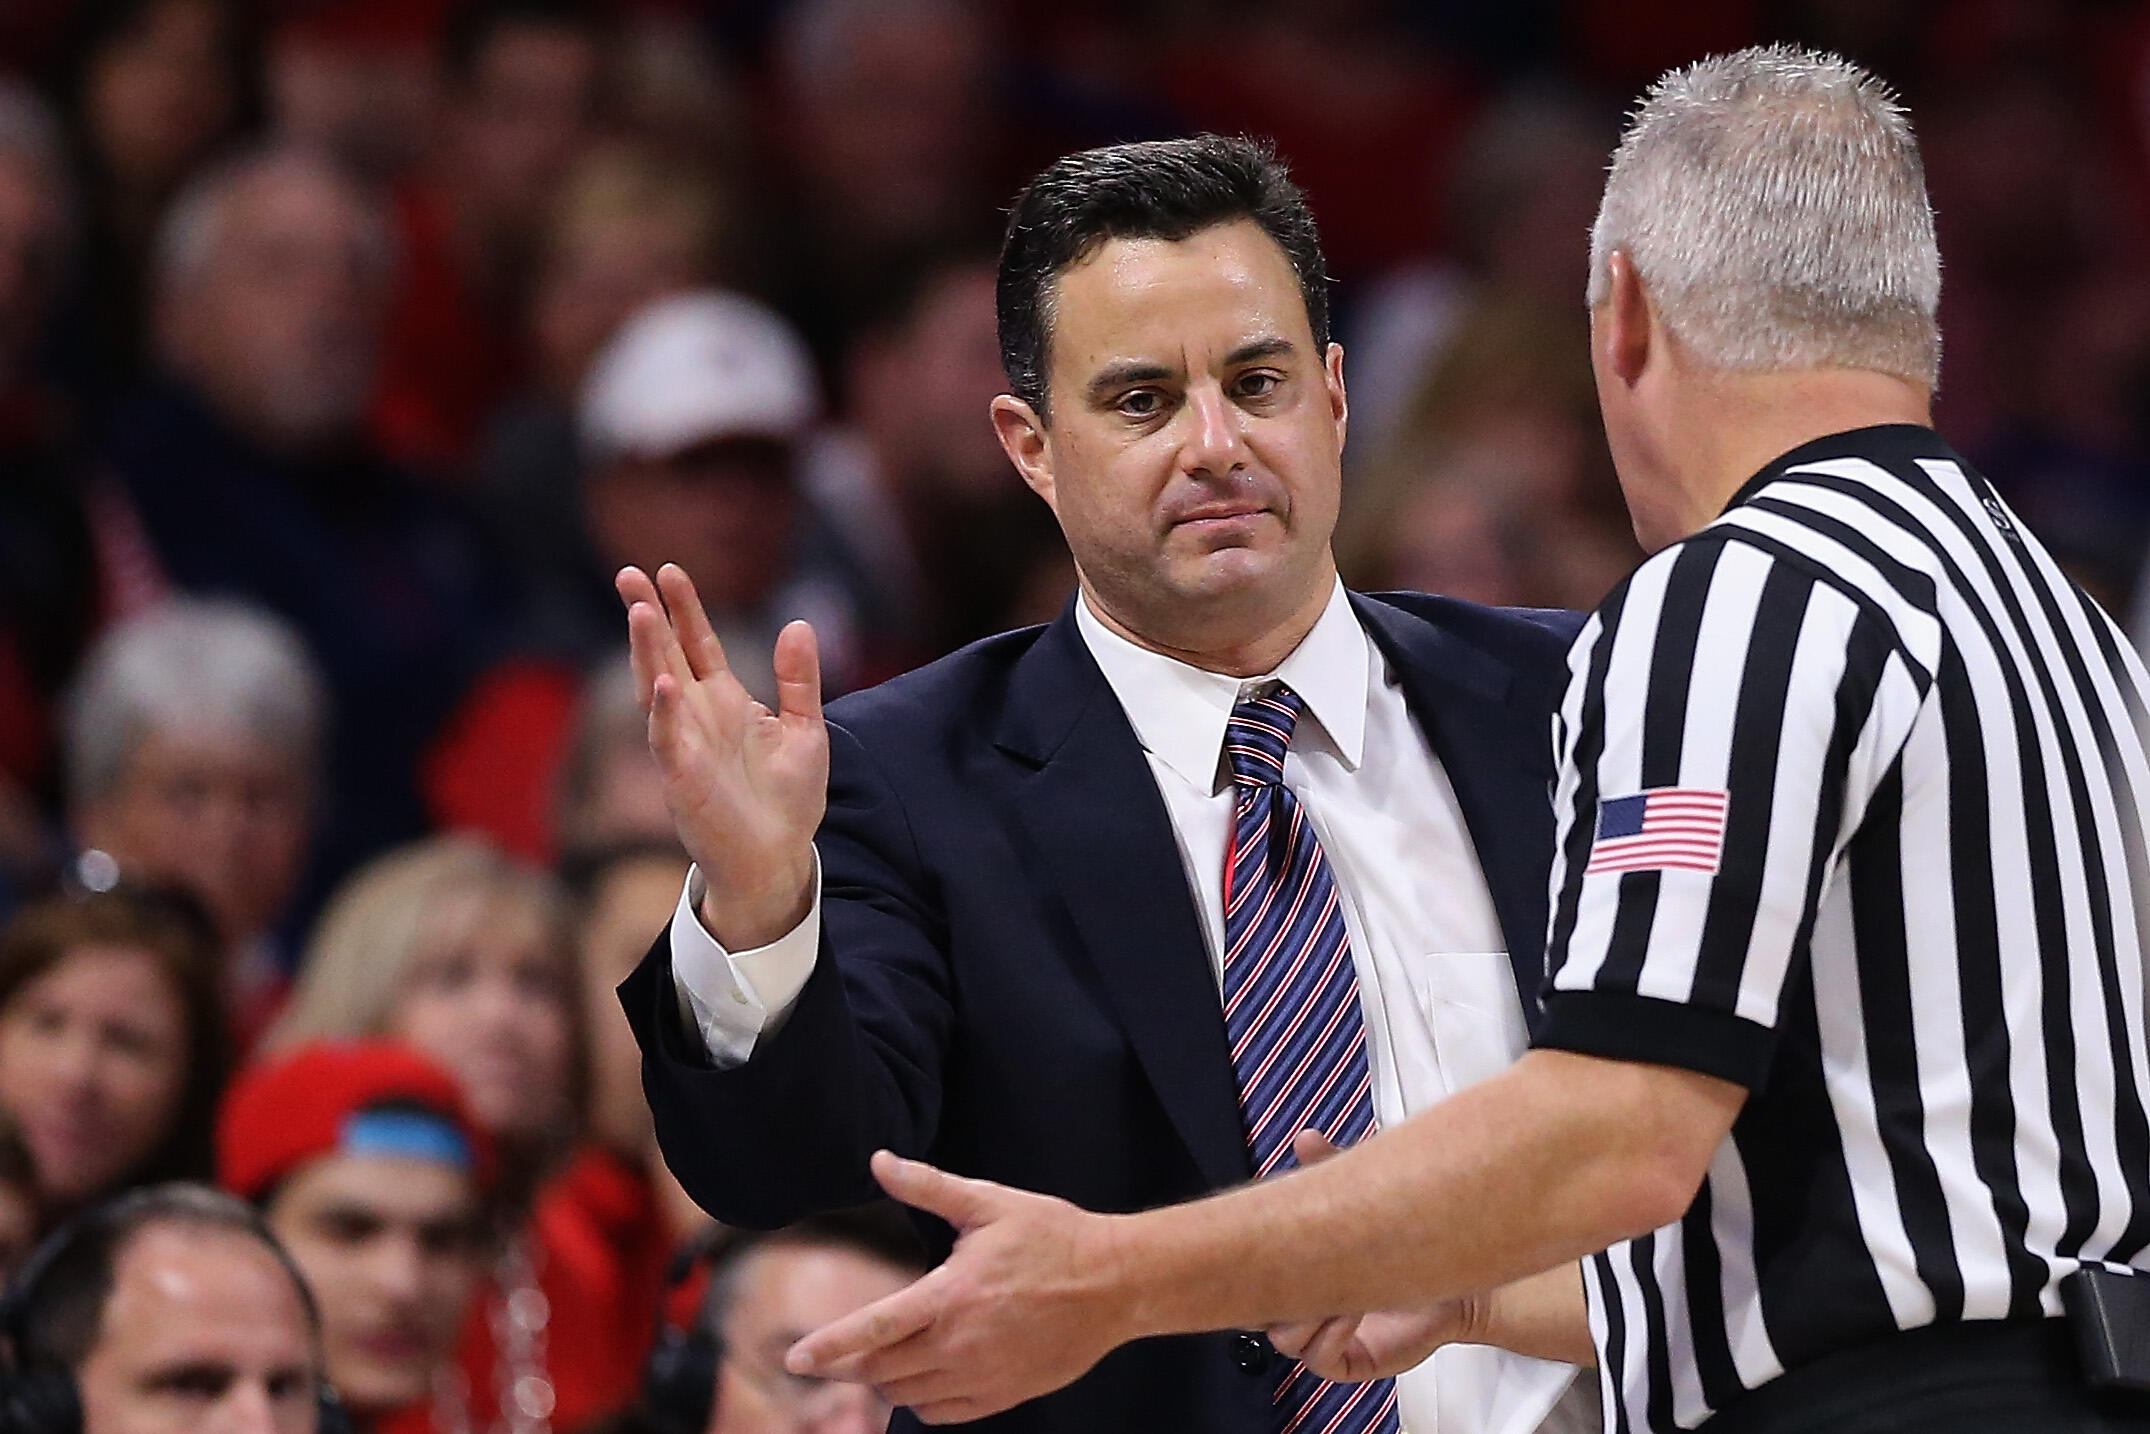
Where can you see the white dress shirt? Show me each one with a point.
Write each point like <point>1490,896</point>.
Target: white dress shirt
<point>1439,997</point>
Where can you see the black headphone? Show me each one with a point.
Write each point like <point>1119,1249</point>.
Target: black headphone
<point>679,1379</point>
<point>40,1397</point>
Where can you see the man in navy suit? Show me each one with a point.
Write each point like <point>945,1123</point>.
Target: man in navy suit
<point>1223,864</point>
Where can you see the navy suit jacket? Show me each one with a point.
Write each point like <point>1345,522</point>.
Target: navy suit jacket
<point>1013,983</point>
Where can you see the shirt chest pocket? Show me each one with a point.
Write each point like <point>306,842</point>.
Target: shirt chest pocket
<point>1473,1020</point>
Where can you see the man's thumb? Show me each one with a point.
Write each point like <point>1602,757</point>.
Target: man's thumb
<point>959,1201</point>
<point>1312,1147</point>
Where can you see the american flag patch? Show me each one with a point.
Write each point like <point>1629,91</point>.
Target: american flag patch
<point>1663,829</point>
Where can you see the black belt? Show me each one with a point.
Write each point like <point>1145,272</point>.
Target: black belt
<point>1851,1382</point>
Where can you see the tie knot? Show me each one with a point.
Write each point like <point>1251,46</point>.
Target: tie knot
<point>1259,734</point>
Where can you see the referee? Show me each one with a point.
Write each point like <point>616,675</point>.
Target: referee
<point>1840,1094</point>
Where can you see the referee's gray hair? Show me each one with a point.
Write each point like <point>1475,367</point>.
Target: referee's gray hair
<point>192,665</point>
<point>1774,204</point>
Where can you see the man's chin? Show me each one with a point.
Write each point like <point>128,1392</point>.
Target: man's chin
<point>1228,573</point>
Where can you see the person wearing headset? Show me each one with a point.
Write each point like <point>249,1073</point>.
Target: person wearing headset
<point>722,1372</point>
<point>363,1159</point>
<point>170,1310</point>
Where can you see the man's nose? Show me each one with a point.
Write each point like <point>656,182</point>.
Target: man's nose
<point>850,1409</point>
<point>246,1408</point>
<point>1215,444</point>
<point>398,1270</point>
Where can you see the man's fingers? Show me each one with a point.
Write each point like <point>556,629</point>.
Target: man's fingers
<point>962,1203</point>
<point>647,637</point>
<point>838,1350</point>
<point>1329,1352</point>
<point>798,672</point>
<point>1312,1147</point>
<point>1291,1340</point>
<point>633,586</point>
<point>697,638</point>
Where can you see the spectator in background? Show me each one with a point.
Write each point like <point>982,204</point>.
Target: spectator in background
<point>1483,410</point>
<point>364,1162</point>
<point>50,601</point>
<point>693,420</point>
<point>464,954</point>
<point>520,88</point>
<point>610,795</point>
<point>194,738</point>
<point>942,535</point>
<point>624,894</point>
<point>692,427</point>
<point>112,1049</point>
<point>883,114</point>
<point>356,79</point>
<point>777,1289</point>
<point>630,225</point>
<point>248,465</point>
<point>1365,111</point>
<point>20,1207</point>
<point>764,1292</point>
<point>174,1310</point>
<point>149,88</point>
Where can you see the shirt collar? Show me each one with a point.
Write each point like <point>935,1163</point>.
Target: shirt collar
<point>1180,712</point>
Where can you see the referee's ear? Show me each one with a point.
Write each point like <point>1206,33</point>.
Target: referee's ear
<point>1621,324</point>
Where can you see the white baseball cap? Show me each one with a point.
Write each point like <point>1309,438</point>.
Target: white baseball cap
<point>693,368</point>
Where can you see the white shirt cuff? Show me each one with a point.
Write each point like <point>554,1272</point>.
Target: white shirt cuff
<point>734,998</point>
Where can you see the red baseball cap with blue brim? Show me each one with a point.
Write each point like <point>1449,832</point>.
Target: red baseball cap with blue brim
<point>344,1098</point>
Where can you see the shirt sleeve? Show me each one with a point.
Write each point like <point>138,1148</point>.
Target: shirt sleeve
<point>732,999</point>
<point>1731,713</point>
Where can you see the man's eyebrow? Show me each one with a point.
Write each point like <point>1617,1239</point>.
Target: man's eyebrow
<point>1126,371</point>
<point>1268,346</point>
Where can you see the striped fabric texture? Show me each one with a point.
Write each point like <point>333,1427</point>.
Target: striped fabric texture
<point>1291,1008</point>
<point>1919,949</point>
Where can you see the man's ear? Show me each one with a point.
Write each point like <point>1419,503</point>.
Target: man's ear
<point>1333,379</point>
<point>1623,328</point>
<point>1023,437</point>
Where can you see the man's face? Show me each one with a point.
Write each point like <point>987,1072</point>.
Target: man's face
<point>521,119</point>
<point>389,1245</point>
<point>224,816</point>
<point>280,322</point>
<point>1194,450</point>
<point>785,1293</point>
<point>203,1333</point>
<point>723,510</point>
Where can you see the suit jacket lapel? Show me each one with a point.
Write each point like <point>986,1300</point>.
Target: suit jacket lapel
<point>1498,759</point>
<point>1093,812</point>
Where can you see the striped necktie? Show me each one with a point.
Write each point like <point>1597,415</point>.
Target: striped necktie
<point>1291,1008</point>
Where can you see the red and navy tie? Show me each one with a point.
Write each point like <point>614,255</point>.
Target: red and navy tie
<point>1291,1008</point>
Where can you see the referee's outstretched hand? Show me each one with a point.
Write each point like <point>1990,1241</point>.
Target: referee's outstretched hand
<point>746,786</point>
<point>1026,1303</point>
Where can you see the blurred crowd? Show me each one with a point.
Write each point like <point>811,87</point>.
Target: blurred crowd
<point>347,347</point>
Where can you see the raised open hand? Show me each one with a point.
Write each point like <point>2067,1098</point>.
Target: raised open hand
<point>746,786</point>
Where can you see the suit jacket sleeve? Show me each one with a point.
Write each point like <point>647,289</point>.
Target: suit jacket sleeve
<point>855,1067</point>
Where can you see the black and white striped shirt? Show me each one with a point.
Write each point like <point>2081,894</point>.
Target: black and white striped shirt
<point>1851,805</point>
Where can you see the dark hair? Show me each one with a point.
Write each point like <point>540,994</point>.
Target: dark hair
<point>174,931</point>
<point>1158,189</point>
<point>64,1287</point>
<point>880,1231</point>
<point>475,24</point>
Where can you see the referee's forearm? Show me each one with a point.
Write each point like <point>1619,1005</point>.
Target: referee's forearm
<point>1554,1159</point>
